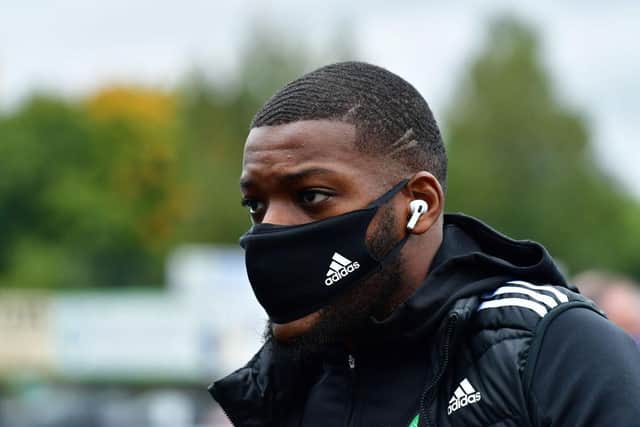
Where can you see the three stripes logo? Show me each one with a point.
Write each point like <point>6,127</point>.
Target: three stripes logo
<point>464,395</point>
<point>518,293</point>
<point>340,267</point>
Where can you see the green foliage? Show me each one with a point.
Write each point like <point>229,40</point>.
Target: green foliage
<point>68,208</point>
<point>523,162</point>
<point>31,163</point>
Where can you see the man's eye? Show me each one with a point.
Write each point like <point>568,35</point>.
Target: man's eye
<point>312,197</point>
<point>253,206</point>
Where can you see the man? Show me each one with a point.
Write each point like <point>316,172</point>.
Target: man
<point>386,312</point>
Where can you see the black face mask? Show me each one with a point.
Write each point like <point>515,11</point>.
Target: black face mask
<point>295,270</point>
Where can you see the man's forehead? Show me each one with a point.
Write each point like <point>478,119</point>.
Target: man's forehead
<point>295,151</point>
<point>302,140</point>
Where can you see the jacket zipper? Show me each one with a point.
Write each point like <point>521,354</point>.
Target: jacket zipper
<point>351,362</point>
<point>428,395</point>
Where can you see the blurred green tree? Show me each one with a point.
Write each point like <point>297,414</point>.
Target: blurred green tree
<point>523,161</point>
<point>86,191</point>
<point>40,145</point>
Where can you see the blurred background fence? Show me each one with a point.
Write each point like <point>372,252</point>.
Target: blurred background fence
<point>121,291</point>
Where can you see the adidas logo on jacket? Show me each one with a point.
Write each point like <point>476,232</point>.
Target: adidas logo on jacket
<point>464,395</point>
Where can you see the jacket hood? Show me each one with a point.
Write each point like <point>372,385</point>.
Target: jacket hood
<point>472,260</point>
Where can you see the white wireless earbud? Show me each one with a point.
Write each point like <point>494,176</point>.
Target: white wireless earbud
<point>418,207</point>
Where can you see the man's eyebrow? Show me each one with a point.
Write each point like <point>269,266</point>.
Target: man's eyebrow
<point>300,175</point>
<point>247,183</point>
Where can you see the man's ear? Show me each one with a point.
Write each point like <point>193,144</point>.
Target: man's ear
<point>426,187</point>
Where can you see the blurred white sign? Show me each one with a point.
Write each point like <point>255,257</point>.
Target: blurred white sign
<point>132,335</point>
<point>204,325</point>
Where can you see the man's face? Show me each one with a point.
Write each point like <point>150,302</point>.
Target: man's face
<point>310,170</point>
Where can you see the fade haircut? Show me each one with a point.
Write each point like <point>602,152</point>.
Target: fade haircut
<point>391,118</point>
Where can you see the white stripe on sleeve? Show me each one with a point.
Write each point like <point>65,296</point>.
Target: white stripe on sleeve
<point>561,297</point>
<point>515,302</point>
<point>545,299</point>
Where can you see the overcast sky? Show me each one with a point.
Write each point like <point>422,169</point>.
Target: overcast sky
<point>74,46</point>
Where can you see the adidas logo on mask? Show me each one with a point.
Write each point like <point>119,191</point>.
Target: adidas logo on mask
<point>340,267</point>
<point>464,395</point>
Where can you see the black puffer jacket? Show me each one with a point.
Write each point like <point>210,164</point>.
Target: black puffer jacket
<point>485,341</point>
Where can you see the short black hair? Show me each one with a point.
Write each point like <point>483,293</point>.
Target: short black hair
<point>391,118</point>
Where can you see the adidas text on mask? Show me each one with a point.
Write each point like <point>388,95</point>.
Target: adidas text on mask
<point>340,267</point>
